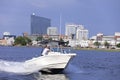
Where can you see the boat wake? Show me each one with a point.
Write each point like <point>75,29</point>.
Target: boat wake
<point>19,67</point>
<point>73,69</point>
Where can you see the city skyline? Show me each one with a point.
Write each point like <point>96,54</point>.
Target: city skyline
<point>96,15</point>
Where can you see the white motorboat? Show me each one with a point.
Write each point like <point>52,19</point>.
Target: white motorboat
<point>53,62</point>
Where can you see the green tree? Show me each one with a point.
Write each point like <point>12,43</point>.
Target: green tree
<point>22,41</point>
<point>106,44</point>
<point>61,40</point>
<point>97,44</point>
<point>27,40</point>
<point>40,38</point>
<point>50,39</point>
<point>67,43</point>
<point>118,45</point>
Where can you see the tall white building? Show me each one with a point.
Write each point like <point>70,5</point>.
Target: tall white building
<point>52,31</point>
<point>70,30</point>
<point>81,33</point>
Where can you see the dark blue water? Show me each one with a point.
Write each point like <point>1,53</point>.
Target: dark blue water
<point>87,65</point>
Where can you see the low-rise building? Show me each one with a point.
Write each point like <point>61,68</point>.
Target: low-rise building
<point>3,42</point>
<point>9,38</point>
<point>80,43</point>
<point>112,40</point>
<point>52,31</point>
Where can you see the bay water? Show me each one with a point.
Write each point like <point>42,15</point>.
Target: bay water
<point>87,65</point>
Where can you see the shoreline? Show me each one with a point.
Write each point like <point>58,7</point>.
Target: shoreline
<point>75,48</point>
<point>97,49</point>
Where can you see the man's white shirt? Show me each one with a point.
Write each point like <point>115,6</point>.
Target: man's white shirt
<point>45,51</point>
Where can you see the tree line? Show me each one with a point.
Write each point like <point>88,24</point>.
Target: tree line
<point>106,44</point>
<point>23,41</point>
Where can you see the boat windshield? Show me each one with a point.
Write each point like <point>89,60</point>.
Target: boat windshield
<point>62,50</point>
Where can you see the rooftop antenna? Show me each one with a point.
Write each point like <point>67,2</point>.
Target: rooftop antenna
<point>60,23</point>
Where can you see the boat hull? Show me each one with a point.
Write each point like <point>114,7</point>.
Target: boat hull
<point>52,71</point>
<point>51,62</point>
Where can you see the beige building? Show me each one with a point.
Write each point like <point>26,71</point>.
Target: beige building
<point>3,42</point>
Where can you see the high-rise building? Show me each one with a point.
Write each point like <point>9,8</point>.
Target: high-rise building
<point>71,30</point>
<point>81,33</point>
<point>52,31</point>
<point>39,25</point>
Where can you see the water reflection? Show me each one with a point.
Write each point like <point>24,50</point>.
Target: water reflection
<point>33,76</point>
<point>53,77</point>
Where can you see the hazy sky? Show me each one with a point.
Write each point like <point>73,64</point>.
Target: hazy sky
<point>96,15</point>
